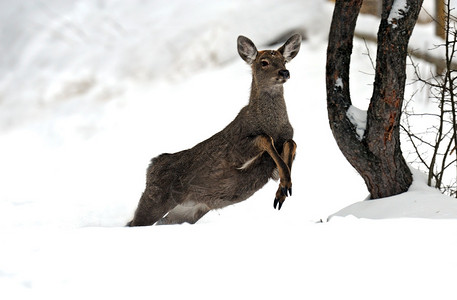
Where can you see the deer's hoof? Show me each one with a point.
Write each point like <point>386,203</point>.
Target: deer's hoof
<point>281,195</point>
<point>277,202</point>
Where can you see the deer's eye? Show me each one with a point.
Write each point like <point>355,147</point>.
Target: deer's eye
<point>264,63</point>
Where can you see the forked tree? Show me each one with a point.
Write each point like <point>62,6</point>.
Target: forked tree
<point>375,153</point>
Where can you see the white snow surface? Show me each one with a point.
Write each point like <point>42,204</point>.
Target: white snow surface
<point>421,201</point>
<point>90,91</point>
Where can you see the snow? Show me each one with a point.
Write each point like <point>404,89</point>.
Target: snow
<point>358,118</point>
<point>339,83</point>
<point>268,261</point>
<point>398,10</point>
<point>421,201</point>
<point>91,91</point>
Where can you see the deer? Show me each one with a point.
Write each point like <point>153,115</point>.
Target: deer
<point>234,163</point>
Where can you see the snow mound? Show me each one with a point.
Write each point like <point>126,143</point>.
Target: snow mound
<point>421,201</point>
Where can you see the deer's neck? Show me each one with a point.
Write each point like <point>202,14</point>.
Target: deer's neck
<point>267,99</point>
<point>267,106</point>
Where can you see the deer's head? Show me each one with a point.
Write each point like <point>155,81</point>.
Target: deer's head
<point>268,66</point>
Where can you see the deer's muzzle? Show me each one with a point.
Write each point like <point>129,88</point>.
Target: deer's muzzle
<point>284,74</point>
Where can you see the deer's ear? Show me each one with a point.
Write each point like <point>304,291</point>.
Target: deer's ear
<point>246,49</point>
<point>290,49</point>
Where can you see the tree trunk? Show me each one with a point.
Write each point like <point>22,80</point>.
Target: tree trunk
<point>376,155</point>
<point>440,17</point>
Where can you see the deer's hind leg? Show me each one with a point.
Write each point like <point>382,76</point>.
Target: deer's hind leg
<point>288,155</point>
<point>151,208</point>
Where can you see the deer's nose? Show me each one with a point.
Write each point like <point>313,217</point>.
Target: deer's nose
<point>284,73</point>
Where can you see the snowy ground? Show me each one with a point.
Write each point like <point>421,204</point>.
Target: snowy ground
<point>90,92</point>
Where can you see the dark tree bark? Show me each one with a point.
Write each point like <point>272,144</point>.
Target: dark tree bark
<point>377,155</point>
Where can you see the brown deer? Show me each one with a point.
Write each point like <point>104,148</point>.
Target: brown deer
<point>234,163</point>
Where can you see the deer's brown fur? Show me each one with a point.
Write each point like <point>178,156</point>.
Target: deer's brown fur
<point>234,163</point>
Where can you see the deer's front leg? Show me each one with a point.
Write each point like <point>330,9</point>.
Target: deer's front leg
<point>265,143</point>
<point>288,155</point>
